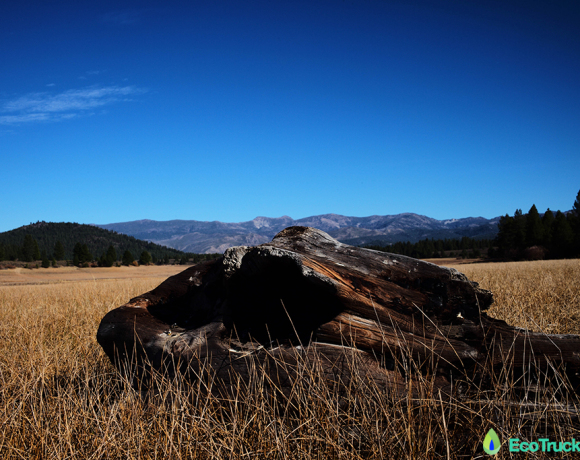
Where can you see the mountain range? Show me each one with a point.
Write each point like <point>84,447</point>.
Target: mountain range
<point>212,237</point>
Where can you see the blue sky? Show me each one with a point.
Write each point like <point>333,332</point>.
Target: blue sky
<point>223,110</point>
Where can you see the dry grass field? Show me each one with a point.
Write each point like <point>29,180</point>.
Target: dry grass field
<point>61,399</point>
<point>21,276</point>
<point>542,296</point>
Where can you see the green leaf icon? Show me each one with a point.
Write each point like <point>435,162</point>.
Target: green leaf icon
<point>491,443</point>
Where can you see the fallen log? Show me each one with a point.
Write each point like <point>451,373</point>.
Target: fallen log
<point>388,317</point>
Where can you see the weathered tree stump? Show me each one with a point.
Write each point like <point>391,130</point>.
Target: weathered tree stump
<point>387,317</point>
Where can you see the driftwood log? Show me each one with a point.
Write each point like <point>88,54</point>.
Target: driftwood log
<point>305,294</point>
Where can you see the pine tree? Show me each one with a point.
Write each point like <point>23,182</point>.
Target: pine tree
<point>520,229</point>
<point>86,254</point>
<point>81,254</point>
<point>547,222</point>
<point>533,227</point>
<point>28,248</point>
<point>576,206</point>
<point>108,259</point>
<point>575,223</point>
<point>58,251</point>
<point>145,258</point>
<point>36,252</point>
<point>562,236</point>
<point>77,254</point>
<point>127,258</point>
<point>111,255</point>
<point>505,239</point>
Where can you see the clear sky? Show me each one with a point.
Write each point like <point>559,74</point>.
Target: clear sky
<point>114,111</point>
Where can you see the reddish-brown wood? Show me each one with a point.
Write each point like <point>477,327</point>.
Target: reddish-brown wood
<point>306,294</point>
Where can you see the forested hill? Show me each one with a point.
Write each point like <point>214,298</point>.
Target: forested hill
<point>98,240</point>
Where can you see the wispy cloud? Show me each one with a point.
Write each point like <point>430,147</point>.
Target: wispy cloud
<point>91,73</point>
<point>45,106</point>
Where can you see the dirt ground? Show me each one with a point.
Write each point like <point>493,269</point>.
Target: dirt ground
<point>22,276</point>
<point>446,262</point>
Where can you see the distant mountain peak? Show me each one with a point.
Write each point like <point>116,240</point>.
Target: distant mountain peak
<point>267,222</point>
<point>207,237</point>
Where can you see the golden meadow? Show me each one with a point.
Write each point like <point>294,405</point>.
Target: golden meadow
<point>60,398</point>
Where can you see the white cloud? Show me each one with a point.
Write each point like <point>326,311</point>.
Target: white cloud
<point>24,118</point>
<point>91,73</point>
<point>68,104</point>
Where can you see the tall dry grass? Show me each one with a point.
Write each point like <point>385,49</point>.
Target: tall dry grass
<point>61,399</point>
<point>543,296</point>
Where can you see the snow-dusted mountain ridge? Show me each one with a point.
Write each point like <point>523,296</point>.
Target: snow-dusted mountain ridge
<point>205,237</point>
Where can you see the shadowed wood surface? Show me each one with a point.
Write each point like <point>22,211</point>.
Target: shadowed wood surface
<point>306,295</point>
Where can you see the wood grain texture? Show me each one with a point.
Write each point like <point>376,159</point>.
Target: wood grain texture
<point>306,295</point>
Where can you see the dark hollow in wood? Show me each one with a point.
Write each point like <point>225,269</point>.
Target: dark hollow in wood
<point>351,309</point>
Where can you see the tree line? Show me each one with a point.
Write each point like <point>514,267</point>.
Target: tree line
<point>30,251</point>
<point>97,239</point>
<point>522,236</point>
<point>535,236</point>
<point>430,248</point>
<point>86,245</point>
